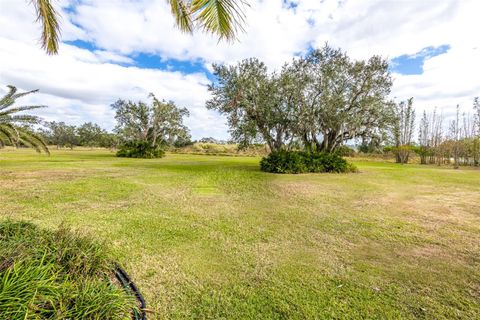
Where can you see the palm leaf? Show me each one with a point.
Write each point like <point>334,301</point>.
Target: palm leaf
<point>224,18</point>
<point>8,96</point>
<point>48,17</point>
<point>19,109</point>
<point>25,118</point>
<point>6,134</point>
<point>10,122</point>
<point>182,15</point>
<point>34,141</point>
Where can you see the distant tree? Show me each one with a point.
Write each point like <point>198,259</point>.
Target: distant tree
<point>183,141</point>
<point>436,137</point>
<point>90,134</point>
<point>402,130</point>
<point>61,134</point>
<point>167,122</point>
<point>423,149</point>
<point>476,126</point>
<point>108,140</point>
<point>16,128</point>
<point>372,144</point>
<point>208,140</point>
<point>159,124</point>
<point>454,137</point>
<point>224,18</point>
<point>133,120</point>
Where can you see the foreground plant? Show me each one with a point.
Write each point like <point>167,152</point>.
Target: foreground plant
<point>57,275</point>
<point>15,126</point>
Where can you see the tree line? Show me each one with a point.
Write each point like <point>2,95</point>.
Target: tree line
<point>324,100</point>
<point>89,134</point>
<point>158,124</point>
<point>443,142</point>
<point>316,103</point>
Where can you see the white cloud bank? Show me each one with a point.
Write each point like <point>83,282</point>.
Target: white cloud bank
<point>79,85</point>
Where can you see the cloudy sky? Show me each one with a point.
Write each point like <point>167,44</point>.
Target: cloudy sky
<point>127,48</point>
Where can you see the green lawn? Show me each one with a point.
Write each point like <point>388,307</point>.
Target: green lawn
<point>213,237</point>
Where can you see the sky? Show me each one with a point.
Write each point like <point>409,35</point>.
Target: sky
<point>126,49</point>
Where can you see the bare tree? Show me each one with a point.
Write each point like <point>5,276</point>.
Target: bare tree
<point>454,137</point>
<point>403,128</point>
<point>436,137</point>
<point>476,131</point>
<point>423,138</point>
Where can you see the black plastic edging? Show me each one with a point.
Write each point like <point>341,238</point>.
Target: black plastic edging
<point>127,283</point>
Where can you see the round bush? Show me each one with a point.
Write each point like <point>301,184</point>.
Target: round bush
<point>283,162</point>
<point>140,149</point>
<point>301,162</point>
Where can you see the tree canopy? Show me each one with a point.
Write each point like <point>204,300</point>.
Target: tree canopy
<point>159,123</point>
<point>316,102</point>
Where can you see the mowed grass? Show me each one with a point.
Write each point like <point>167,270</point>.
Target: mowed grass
<point>213,237</point>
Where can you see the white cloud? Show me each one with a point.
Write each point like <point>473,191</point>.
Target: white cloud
<point>79,84</point>
<point>78,87</point>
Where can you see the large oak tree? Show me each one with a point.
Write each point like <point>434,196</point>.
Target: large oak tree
<point>316,102</point>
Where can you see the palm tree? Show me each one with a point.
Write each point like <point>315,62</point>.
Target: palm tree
<point>224,18</point>
<point>14,128</point>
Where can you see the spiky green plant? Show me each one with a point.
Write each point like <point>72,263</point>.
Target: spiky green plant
<point>224,18</point>
<point>61,274</point>
<point>14,127</point>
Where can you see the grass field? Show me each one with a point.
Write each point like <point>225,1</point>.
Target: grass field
<point>213,237</point>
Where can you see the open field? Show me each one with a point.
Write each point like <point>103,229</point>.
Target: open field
<point>213,237</point>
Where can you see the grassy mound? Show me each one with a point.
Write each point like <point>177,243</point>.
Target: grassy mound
<point>58,274</point>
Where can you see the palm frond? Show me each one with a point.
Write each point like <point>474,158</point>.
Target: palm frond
<point>19,109</point>
<point>9,99</point>
<point>7,134</point>
<point>8,96</point>
<point>26,119</point>
<point>10,131</point>
<point>182,15</point>
<point>224,18</point>
<point>48,17</point>
<point>33,140</point>
<point>12,125</point>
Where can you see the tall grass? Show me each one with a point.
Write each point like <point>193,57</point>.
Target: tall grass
<point>58,274</point>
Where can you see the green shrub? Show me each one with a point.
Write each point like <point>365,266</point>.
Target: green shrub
<point>140,149</point>
<point>301,162</point>
<point>284,162</point>
<point>57,275</point>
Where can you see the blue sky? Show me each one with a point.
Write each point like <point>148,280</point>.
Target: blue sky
<point>406,64</point>
<point>148,60</point>
<point>410,64</point>
<point>129,48</point>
